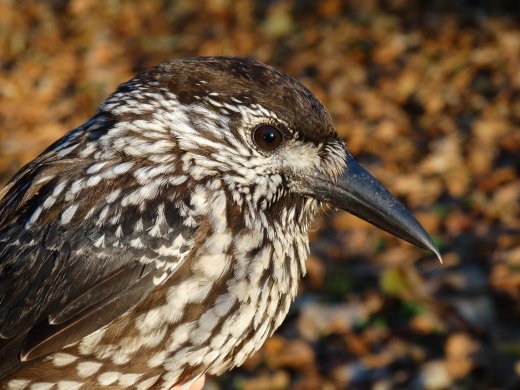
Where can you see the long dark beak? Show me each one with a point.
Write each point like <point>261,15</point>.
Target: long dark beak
<point>359,193</point>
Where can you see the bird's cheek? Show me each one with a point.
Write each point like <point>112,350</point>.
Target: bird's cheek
<point>302,159</point>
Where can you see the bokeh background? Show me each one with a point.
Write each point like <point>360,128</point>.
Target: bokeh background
<point>427,96</point>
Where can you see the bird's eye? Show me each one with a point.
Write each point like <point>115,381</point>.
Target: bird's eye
<point>267,137</point>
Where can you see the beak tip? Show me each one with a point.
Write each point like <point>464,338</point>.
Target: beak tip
<point>430,245</point>
<point>438,254</point>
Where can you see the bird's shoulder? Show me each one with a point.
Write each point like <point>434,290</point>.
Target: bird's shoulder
<point>81,242</point>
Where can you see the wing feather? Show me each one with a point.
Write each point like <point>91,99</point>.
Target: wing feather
<point>45,337</point>
<point>61,281</point>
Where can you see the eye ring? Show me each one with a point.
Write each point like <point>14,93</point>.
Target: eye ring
<point>267,137</point>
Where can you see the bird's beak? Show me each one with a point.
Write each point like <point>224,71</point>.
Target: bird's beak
<point>359,193</point>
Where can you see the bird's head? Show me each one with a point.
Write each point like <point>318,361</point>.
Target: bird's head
<point>260,132</point>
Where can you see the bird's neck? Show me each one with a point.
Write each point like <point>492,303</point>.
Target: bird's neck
<point>252,265</point>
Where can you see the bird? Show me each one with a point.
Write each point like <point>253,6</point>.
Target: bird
<point>164,239</point>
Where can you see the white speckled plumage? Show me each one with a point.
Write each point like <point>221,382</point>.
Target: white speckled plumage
<point>186,239</point>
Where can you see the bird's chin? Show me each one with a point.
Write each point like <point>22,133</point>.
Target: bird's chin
<point>358,192</point>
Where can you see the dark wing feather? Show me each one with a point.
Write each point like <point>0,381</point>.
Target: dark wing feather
<point>45,338</point>
<point>98,294</point>
<point>57,283</point>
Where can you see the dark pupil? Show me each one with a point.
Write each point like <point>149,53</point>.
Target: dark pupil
<point>269,135</point>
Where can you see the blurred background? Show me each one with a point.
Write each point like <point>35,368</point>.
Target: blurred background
<point>427,96</point>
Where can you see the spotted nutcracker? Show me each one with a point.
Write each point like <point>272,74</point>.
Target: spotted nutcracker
<point>164,238</point>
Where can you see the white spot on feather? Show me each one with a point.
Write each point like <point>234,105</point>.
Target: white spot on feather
<point>61,359</point>
<point>69,385</point>
<point>177,180</point>
<point>93,180</point>
<point>35,215</point>
<point>96,167</point>
<point>128,380</point>
<point>212,266</point>
<point>109,377</point>
<point>180,335</point>
<point>41,386</point>
<point>68,214</point>
<point>149,321</point>
<point>90,342</point>
<point>157,359</point>
<point>147,383</point>
<point>17,384</point>
<point>88,368</point>
<point>66,151</point>
<point>223,304</point>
